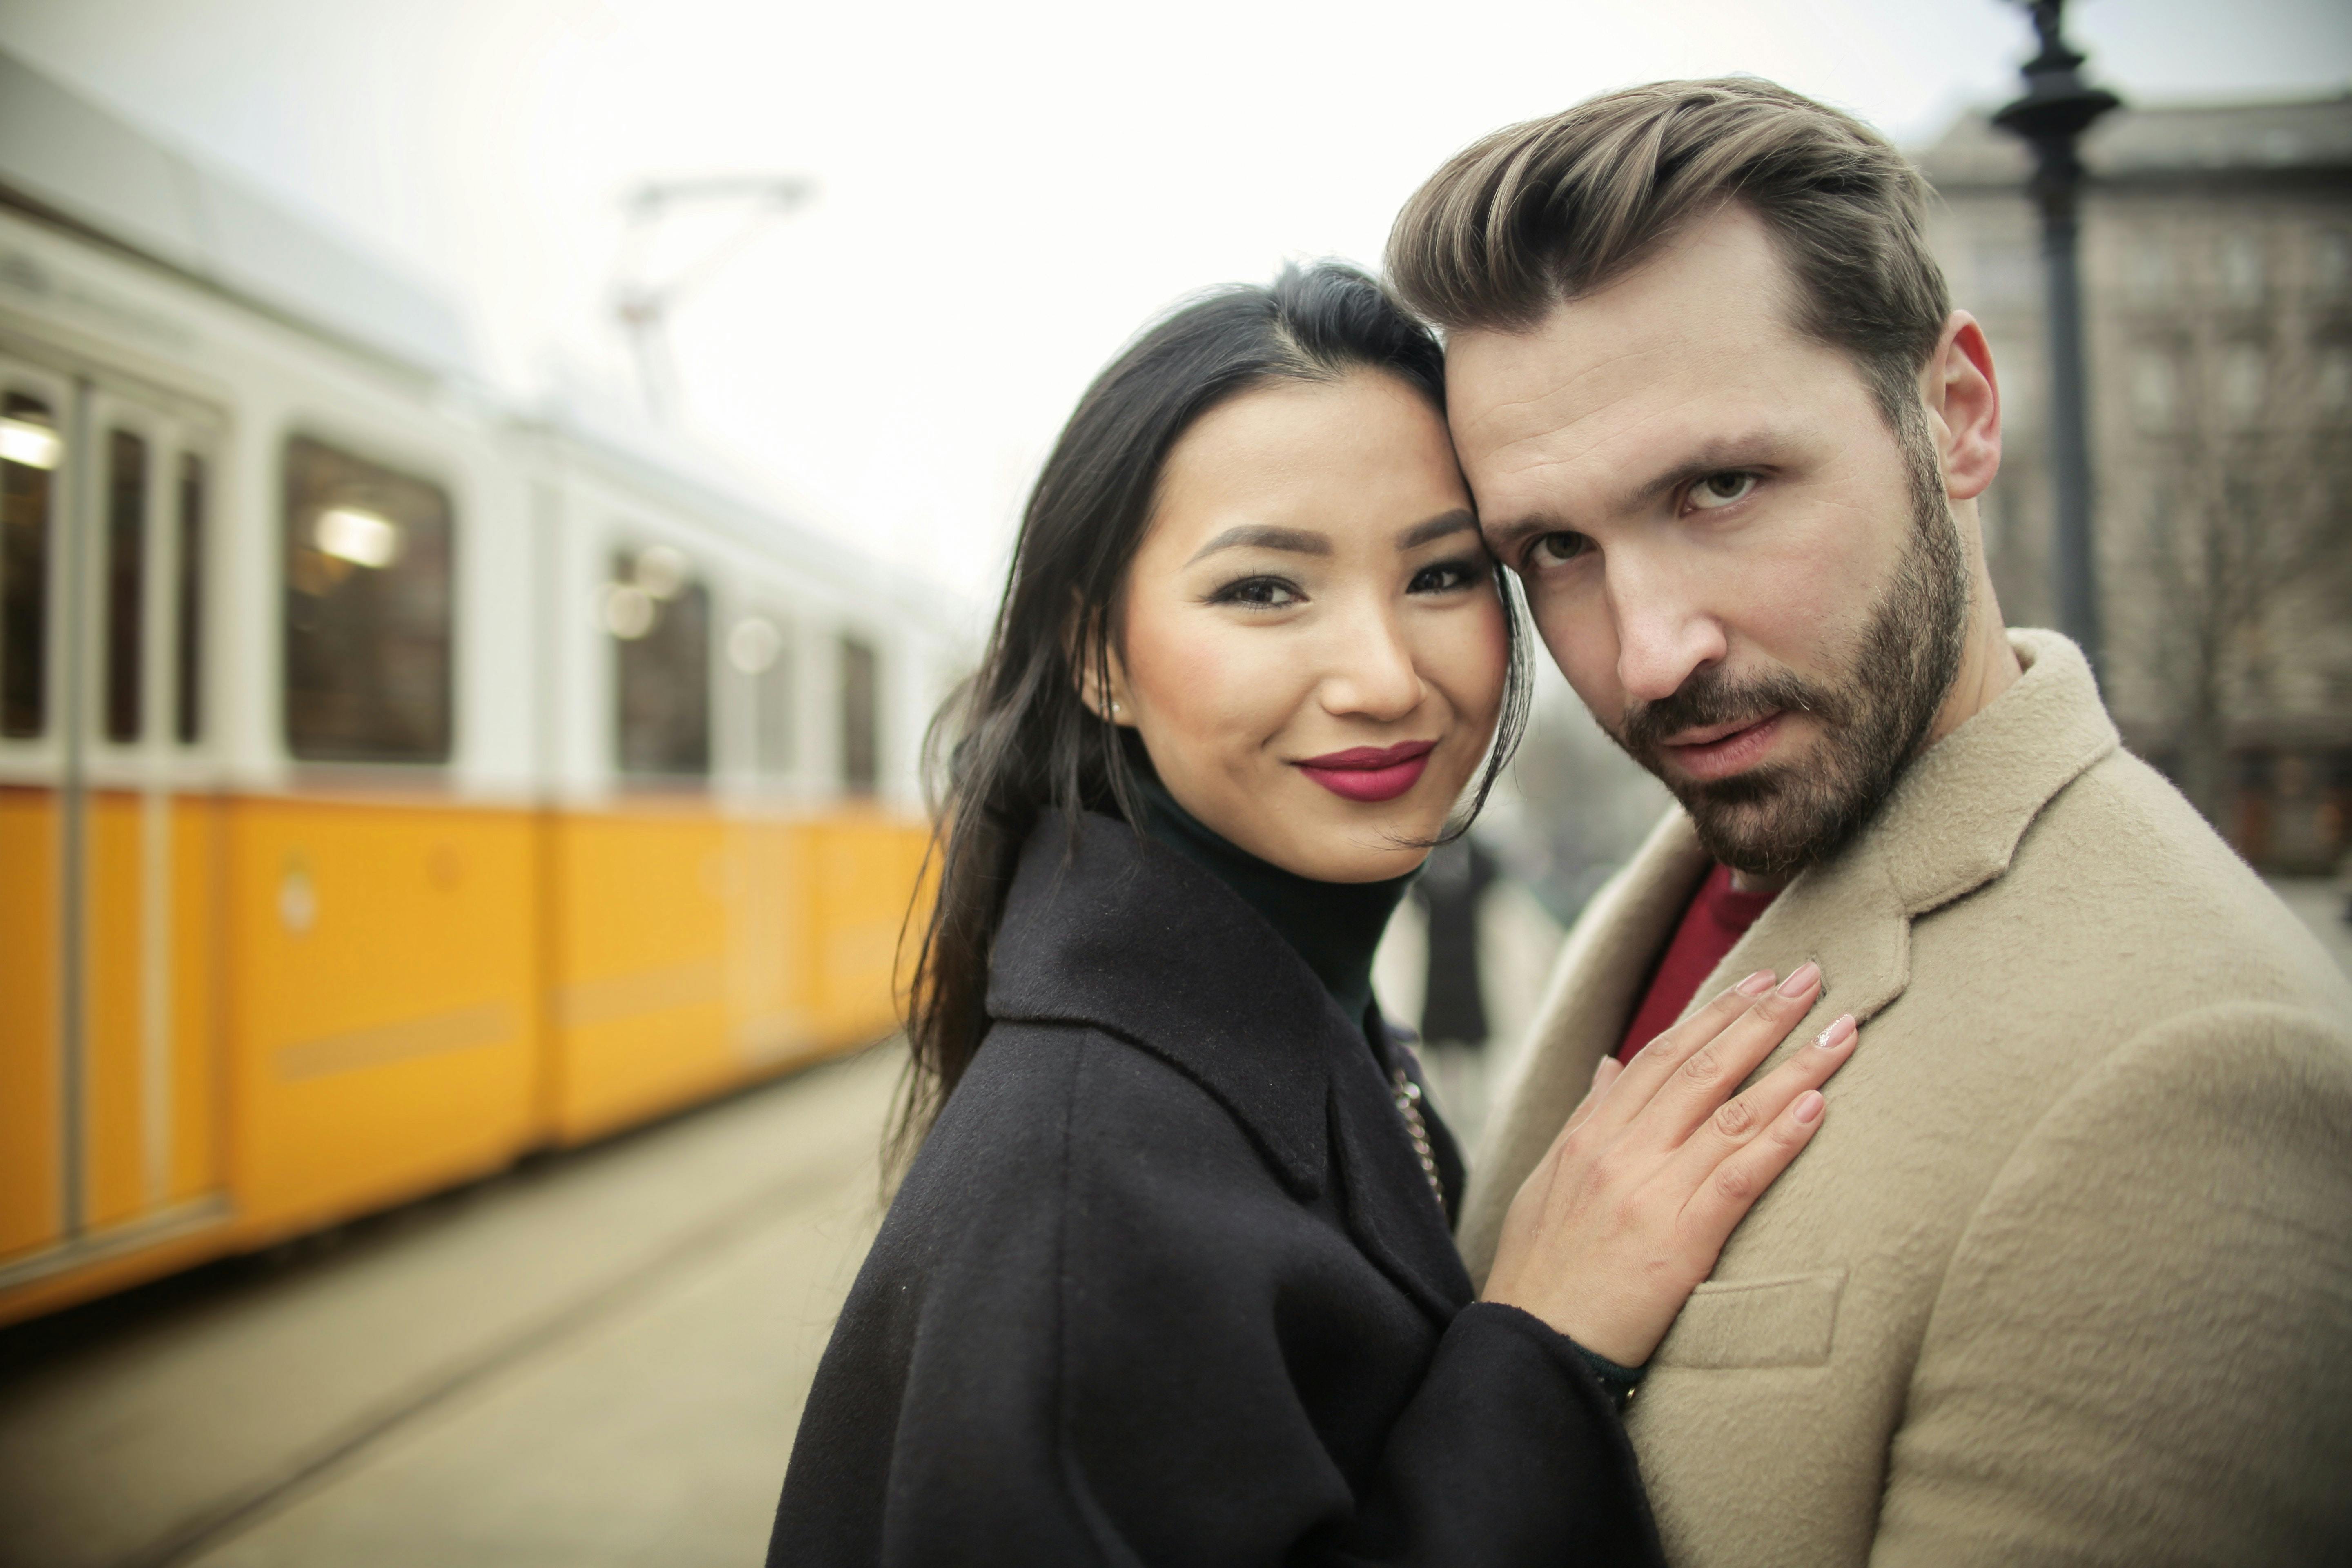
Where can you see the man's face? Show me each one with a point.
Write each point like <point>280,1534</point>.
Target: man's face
<point>1757,588</point>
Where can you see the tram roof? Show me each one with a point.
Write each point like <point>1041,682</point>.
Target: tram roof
<point>77,160</point>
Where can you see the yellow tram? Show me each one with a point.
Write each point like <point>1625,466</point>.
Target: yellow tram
<point>390,785</point>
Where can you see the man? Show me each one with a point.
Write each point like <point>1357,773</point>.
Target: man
<point>2067,1274</point>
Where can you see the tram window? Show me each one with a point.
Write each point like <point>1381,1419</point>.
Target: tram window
<point>189,718</point>
<point>30,453</point>
<point>126,580</point>
<point>368,610</point>
<point>660,617</point>
<point>860,721</point>
<point>759,647</point>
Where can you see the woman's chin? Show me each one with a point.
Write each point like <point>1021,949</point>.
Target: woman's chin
<point>1360,846</point>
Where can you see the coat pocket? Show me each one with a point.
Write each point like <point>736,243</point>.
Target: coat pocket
<point>1784,1321</point>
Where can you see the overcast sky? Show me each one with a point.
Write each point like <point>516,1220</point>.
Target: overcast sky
<point>1006,191</point>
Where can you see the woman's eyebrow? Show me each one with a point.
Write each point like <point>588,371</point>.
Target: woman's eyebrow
<point>1262,537</point>
<point>1421,534</point>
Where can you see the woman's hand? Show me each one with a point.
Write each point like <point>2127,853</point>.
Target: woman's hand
<point>1626,1212</point>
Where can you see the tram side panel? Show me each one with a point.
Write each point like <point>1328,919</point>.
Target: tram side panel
<point>384,969</point>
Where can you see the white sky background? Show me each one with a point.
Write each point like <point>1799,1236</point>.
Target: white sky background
<point>1006,191</point>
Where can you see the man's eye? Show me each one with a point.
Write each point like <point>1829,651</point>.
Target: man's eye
<point>1721,490</point>
<point>1556,550</point>
<point>1443,577</point>
<point>1259,592</point>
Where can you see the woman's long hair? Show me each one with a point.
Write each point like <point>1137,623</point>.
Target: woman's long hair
<point>1020,742</point>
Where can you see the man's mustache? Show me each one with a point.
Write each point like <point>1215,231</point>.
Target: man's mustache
<point>1714,695</point>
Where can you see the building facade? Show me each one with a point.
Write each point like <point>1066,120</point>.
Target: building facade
<point>2217,282</point>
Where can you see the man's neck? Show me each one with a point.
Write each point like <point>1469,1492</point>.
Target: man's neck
<point>1989,667</point>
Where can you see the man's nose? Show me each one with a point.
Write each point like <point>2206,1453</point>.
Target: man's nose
<point>1663,633</point>
<point>1372,673</point>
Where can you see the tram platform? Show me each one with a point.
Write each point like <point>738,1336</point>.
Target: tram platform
<point>596,1359</point>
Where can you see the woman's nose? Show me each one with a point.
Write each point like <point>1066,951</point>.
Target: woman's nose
<point>1372,673</point>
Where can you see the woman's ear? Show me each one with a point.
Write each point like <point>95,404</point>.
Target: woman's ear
<point>1102,679</point>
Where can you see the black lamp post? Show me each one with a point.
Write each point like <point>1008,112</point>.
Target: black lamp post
<point>2057,108</point>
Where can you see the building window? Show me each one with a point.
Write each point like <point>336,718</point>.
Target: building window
<point>2155,389</point>
<point>2331,262</point>
<point>860,717</point>
<point>759,648</point>
<point>369,610</point>
<point>2245,383</point>
<point>659,618</point>
<point>190,610</point>
<point>2332,378</point>
<point>126,582</point>
<point>30,450</point>
<point>2147,270</point>
<point>2242,267</point>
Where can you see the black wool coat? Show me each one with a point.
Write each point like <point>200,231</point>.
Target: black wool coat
<point>1167,1285</point>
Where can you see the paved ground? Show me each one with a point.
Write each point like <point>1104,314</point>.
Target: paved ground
<point>597,1360</point>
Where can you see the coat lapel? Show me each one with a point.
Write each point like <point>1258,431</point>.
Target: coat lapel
<point>1111,929</point>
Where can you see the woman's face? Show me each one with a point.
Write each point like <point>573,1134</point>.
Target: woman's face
<point>1309,639</point>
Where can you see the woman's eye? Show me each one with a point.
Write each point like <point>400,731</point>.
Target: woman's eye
<point>1261,593</point>
<point>1556,550</point>
<point>1444,577</point>
<point>1721,490</point>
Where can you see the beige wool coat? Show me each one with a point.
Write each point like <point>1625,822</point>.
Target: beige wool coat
<point>2066,1275</point>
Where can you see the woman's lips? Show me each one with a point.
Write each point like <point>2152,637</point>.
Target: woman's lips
<point>1370,773</point>
<point>1725,750</point>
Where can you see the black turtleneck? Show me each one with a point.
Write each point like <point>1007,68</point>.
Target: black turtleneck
<point>1334,926</point>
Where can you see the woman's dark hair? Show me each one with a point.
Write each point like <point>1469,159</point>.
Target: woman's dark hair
<point>1022,742</point>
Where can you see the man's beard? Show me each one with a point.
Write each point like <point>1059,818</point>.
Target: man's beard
<point>1775,820</point>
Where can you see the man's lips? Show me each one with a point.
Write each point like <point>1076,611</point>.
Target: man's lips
<point>1370,773</point>
<point>1718,751</point>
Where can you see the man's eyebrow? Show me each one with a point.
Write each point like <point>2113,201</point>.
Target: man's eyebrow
<point>1421,534</point>
<point>1759,450</point>
<point>1716,458</point>
<point>1262,537</point>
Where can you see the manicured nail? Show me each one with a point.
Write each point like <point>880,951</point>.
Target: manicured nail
<point>1837,1033</point>
<point>1797,985</point>
<point>1809,1106</point>
<point>1757,983</point>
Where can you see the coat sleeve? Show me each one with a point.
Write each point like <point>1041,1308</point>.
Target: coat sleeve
<point>2142,1352</point>
<point>1104,1357</point>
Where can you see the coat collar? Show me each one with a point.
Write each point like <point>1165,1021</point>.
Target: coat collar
<point>1950,826</point>
<point>1109,929</point>
<point>1104,927</point>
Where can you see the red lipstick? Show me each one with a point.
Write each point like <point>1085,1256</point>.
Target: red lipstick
<point>1370,773</point>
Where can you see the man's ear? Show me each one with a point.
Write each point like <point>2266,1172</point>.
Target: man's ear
<point>1963,402</point>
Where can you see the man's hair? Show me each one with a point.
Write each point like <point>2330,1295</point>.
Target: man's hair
<point>1540,213</point>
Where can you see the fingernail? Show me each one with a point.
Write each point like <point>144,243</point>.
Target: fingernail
<point>1797,985</point>
<point>1809,1106</point>
<point>1757,983</point>
<point>1837,1033</point>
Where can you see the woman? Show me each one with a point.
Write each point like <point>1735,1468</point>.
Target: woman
<point>1171,1279</point>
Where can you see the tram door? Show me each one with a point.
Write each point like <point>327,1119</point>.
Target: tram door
<point>111,1031</point>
